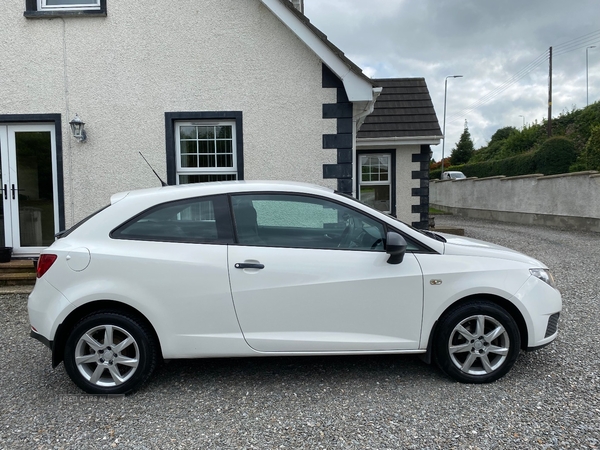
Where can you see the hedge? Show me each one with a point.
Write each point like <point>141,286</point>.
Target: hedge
<point>554,156</point>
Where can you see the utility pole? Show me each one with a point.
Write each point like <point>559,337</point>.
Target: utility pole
<point>550,97</point>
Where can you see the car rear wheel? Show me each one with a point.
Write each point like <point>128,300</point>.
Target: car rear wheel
<point>477,342</point>
<point>110,353</point>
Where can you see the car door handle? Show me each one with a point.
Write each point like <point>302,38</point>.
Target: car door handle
<point>249,266</point>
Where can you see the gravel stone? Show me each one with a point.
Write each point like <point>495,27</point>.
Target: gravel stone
<point>550,399</point>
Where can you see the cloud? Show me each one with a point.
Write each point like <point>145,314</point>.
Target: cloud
<point>487,42</point>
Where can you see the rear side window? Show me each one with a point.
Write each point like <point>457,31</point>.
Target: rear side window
<point>196,220</point>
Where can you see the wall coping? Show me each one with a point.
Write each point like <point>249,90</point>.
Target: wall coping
<point>589,173</point>
<point>520,177</point>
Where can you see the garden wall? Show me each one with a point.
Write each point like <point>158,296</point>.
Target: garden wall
<point>567,200</point>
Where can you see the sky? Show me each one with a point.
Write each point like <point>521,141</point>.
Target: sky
<point>499,45</point>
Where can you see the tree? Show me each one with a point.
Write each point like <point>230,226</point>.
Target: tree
<point>464,149</point>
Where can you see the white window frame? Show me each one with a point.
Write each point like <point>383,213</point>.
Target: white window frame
<point>387,183</point>
<point>231,170</point>
<point>43,6</point>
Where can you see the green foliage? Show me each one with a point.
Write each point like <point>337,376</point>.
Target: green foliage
<point>555,156</point>
<point>511,167</point>
<point>513,152</point>
<point>435,174</point>
<point>502,134</point>
<point>464,149</point>
<point>589,159</point>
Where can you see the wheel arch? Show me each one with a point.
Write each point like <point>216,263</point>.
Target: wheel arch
<point>510,308</point>
<point>63,330</point>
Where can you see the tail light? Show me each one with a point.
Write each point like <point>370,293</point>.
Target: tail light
<point>44,263</point>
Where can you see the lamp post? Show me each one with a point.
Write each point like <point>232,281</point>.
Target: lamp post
<point>587,96</point>
<point>522,126</point>
<point>444,130</point>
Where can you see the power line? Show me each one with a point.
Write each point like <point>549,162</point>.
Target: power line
<point>541,59</point>
<point>566,47</point>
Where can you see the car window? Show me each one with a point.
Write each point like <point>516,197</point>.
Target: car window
<point>287,220</point>
<point>198,220</point>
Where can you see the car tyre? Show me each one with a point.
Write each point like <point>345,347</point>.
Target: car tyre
<point>477,342</point>
<point>110,353</point>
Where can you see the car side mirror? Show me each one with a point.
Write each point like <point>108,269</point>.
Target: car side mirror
<point>395,246</point>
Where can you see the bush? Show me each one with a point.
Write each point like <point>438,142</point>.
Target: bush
<point>555,156</point>
<point>589,159</point>
<point>511,167</point>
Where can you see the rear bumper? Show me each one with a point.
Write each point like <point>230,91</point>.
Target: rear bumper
<point>42,339</point>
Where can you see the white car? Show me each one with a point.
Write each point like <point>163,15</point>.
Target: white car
<point>269,268</point>
<point>453,175</point>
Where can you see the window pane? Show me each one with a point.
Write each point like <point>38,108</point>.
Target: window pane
<point>383,176</point>
<point>224,147</point>
<point>206,146</point>
<point>182,221</point>
<point>206,132</point>
<point>206,161</point>
<point>189,161</point>
<point>189,147</point>
<point>376,196</point>
<point>187,132</point>
<point>224,132</point>
<point>187,179</point>
<point>224,161</point>
<point>281,220</point>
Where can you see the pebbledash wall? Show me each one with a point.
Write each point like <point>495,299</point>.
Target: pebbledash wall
<point>122,73</point>
<point>566,201</point>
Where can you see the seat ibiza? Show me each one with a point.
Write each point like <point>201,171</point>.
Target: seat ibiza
<point>237,269</point>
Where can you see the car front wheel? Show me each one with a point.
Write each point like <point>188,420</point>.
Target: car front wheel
<point>109,353</point>
<point>477,342</point>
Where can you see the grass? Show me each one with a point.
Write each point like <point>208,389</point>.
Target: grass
<point>438,212</point>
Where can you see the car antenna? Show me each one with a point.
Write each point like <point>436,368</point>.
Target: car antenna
<point>151,168</point>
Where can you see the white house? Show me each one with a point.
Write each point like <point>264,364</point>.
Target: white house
<point>217,90</point>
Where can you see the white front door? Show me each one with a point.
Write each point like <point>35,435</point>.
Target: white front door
<point>28,186</point>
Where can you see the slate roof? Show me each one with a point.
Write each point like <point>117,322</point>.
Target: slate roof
<point>404,109</point>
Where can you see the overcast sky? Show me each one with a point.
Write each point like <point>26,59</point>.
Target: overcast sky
<point>488,42</point>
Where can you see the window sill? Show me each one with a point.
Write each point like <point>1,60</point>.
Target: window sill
<point>51,14</point>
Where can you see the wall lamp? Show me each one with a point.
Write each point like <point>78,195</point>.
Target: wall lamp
<point>77,129</point>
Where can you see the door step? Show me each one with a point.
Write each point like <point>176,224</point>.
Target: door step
<point>18,272</point>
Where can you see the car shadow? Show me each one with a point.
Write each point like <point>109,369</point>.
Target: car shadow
<point>272,372</point>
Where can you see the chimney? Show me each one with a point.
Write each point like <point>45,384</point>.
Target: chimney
<point>299,5</point>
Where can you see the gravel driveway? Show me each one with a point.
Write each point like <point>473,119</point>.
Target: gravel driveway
<point>551,398</point>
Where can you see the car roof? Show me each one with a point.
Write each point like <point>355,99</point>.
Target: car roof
<point>218,187</point>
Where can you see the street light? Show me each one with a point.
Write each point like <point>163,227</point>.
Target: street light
<point>587,97</point>
<point>523,126</point>
<point>444,130</point>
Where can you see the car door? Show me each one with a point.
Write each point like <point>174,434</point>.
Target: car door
<point>311,275</point>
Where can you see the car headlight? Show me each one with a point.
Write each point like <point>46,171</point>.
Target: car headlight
<point>544,275</point>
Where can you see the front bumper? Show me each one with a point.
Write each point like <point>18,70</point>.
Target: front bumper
<point>540,305</point>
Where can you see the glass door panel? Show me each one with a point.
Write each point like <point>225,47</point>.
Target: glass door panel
<point>34,194</point>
